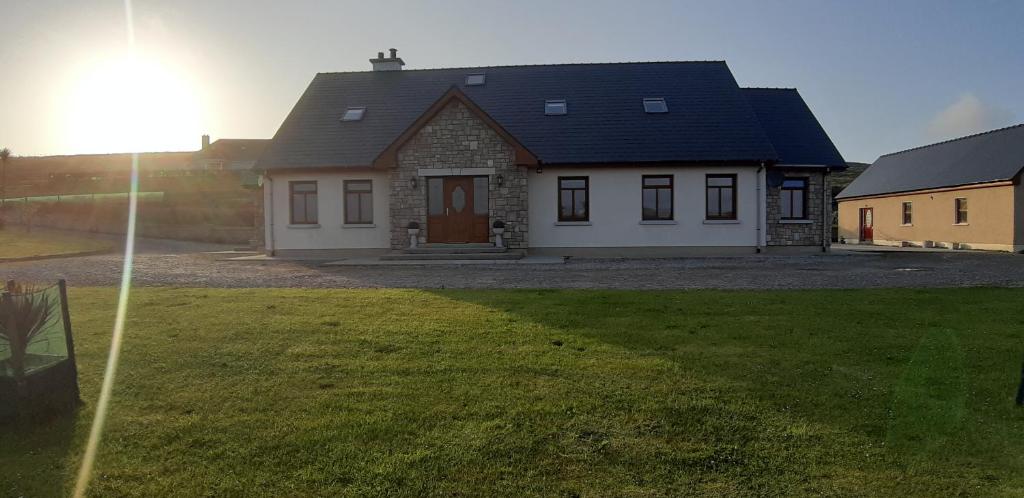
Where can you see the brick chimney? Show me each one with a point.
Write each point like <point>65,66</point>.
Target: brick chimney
<point>206,142</point>
<point>392,63</point>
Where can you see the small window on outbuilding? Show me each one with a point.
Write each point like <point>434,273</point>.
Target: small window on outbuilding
<point>908,214</point>
<point>960,204</point>
<point>555,107</point>
<point>354,114</point>
<point>476,79</point>
<point>655,106</point>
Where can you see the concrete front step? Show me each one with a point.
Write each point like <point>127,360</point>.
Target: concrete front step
<point>436,256</point>
<point>455,249</point>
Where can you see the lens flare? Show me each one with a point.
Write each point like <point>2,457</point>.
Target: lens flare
<point>103,405</point>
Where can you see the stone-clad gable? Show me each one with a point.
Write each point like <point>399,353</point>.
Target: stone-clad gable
<point>456,138</point>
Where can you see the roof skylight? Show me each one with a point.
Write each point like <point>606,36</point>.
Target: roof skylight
<point>655,105</point>
<point>555,107</point>
<point>353,114</point>
<point>475,79</point>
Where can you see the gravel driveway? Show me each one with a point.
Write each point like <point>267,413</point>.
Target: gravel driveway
<point>173,263</point>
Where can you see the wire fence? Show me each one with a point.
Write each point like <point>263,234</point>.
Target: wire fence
<point>83,198</point>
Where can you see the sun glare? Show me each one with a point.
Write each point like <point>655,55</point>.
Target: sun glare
<point>131,104</point>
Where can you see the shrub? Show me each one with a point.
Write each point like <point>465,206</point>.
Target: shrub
<point>22,318</point>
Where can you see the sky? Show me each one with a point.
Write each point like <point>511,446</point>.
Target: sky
<point>881,76</point>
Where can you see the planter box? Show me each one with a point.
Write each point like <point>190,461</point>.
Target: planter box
<point>49,380</point>
<point>50,387</point>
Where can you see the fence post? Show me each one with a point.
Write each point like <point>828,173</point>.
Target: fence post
<point>1020,390</point>
<point>5,304</point>
<point>62,286</point>
<point>17,360</point>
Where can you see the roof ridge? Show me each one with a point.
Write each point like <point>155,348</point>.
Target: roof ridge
<point>536,65</point>
<point>965,137</point>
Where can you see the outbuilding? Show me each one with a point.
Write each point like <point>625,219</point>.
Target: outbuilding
<point>959,194</point>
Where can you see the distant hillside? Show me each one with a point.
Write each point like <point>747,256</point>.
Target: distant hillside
<point>843,178</point>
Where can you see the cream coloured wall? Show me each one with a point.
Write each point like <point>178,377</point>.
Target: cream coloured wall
<point>331,232</point>
<point>990,217</point>
<point>1018,217</point>
<point>615,210</point>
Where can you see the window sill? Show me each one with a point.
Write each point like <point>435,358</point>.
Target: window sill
<point>304,225</point>
<point>658,222</point>
<point>359,225</point>
<point>961,224</point>
<point>796,222</point>
<point>906,224</point>
<point>572,223</point>
<point>721,222</point>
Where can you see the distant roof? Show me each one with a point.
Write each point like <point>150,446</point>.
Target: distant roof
<point>986,157</point>
<point>235,149</point>
<point>792,128</point>
<point>709,118</point>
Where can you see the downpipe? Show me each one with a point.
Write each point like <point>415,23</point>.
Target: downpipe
<point>757,245</point>
<point>269,185</point>
<point>826,202</point>
<point>1020,390</point>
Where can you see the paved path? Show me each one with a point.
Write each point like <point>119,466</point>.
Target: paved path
<point>171,263</point>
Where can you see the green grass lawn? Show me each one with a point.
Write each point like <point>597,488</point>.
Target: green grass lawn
<point>543,393</point>
<point>15,242</point>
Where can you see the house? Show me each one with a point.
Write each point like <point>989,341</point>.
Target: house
<point>648,159</point>
<point>236,158</point>
<point>229,154</point>
<point>960,194</point>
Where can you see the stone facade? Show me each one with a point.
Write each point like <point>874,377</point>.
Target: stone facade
<point>457,138</point>
<point>801,232</point>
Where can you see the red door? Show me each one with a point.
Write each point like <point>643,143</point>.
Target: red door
<point>867,230</point>
<point>454,214</point>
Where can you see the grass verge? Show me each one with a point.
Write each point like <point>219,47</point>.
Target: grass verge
<point>16,243</point>
<point>543,393</point>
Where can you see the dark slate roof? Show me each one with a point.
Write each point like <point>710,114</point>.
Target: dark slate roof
<point>709,118</point>
<point>986,157</point>
<point>792,128</point>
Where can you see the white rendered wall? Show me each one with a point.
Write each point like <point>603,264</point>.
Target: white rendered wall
<point>615,209</point>
<point>330,233</point>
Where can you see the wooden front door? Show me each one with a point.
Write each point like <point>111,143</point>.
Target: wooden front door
<point>867,224</point>
<point>457,210</point>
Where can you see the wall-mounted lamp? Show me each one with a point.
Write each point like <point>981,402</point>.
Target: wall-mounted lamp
<point>412,183</point>
<point>540,169</point>
<point>500,179</point>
